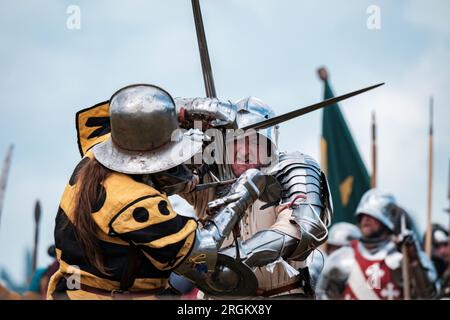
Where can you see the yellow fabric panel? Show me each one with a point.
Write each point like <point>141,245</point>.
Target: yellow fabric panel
<point>68,201</point>
<point>83,295</point>
<point>52,284</point>
<point>91,280</point>
<point>121,191</point>
<point>181,255</point>
<point>125,222</point>
<point>105,284</point>
<point>100,110</point>
<point>86,277</point>
<point>149,284</point>
<point>190,226</point>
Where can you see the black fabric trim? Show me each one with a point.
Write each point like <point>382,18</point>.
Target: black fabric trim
<point>162,207</point>
<point>77,127</point>
<point>60,292</point>
<point>103,123</point>
<point>168,255</point>
<point>73,177</point>
<point>188,253</point>
<point>99,132</point>
<point>99,200</point>
<point>113,232</point>
<point>156,231</point>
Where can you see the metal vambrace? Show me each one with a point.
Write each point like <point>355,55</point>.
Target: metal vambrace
<point>263,248</point>
<point>209,239</point>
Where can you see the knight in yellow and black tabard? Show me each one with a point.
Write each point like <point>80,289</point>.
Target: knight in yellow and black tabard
<point>116,233</point>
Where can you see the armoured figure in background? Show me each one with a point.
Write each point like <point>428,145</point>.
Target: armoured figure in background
<point>371,268</point>
<point>275,238</point>
<point>440,250</point>
<point>340,235</point>
<point>440,256</point>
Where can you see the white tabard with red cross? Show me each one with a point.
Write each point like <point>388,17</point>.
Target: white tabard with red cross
<point>370,280</point>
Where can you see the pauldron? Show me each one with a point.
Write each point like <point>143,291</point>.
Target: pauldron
<point>305,190</point>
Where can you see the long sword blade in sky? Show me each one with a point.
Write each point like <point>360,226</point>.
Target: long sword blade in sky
<point>299,112</point>
<point>203,48</point>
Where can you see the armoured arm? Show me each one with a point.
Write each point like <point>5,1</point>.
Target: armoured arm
<point>210,237</point>
<point>299,230</point>
<point>334,276</point>
<point>216,112</point>
<point>423,275</point>
<point>306,192</point>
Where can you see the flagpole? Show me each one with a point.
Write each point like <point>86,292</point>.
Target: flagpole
<point>430,183</point>
<point>323,75</point>
<point>373,180</point>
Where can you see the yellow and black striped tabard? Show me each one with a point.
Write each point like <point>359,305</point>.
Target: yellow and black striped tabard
<point>127,212</point>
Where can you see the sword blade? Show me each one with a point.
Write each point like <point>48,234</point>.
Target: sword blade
<point>203,49</point>
<point>302,111</point>
<point>204,186</point>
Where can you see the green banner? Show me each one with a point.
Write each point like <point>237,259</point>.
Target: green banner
<point>341,161</point>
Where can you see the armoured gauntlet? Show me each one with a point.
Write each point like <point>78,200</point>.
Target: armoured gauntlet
<point>216,112</point>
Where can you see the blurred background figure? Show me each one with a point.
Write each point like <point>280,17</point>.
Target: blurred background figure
<point>383,264</point>
<point>37,289</point>
<point>440,256</point>
<point>39,282</point>
<point>340,235</point>
<point>440,250</point>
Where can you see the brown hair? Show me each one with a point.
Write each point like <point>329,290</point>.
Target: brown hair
<point>90,179</point>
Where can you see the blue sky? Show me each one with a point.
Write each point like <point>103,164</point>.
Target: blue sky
<point>264,48</point>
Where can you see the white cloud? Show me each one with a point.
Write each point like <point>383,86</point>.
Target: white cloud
<point>431,15</point>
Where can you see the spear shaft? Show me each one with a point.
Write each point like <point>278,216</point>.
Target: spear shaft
<point>430,183</point>
<point>373,180</point>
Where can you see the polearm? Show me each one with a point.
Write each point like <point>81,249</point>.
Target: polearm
<point>430,183</point>
<point>373,180</point>
<point>4,176</point>
<point>37,218</point>
<point>448,211</point>
<point>405,264</point>
<point>203,49</point>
